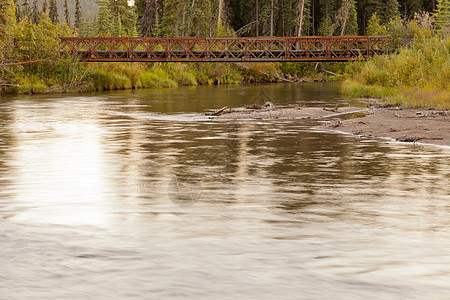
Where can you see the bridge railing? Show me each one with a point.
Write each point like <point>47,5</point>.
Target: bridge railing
<point>332,48</point>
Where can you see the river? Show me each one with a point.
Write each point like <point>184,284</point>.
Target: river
<point>135,195</point>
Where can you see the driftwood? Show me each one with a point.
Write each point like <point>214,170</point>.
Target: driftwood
<point>217,112</point>
<point>323,70</point>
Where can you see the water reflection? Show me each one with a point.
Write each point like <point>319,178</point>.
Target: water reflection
<point>132,193</point>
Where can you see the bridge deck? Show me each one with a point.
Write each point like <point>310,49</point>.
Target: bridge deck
<point>342,48</point>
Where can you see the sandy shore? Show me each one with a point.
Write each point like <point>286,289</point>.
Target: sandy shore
<point>405,125</point>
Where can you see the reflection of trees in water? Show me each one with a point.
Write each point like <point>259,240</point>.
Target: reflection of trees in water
<point>6,143</point>
<point>291,162</point>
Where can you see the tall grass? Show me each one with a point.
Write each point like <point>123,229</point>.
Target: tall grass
<point>116,76</point>
<point>416,76</point>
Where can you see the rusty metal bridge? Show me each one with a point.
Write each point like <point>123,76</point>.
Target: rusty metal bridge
<point>257,49</point>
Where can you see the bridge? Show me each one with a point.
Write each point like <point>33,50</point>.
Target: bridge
<point>255,49</point>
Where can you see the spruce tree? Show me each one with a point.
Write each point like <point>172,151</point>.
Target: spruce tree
<point>116,17</point>
<point>34,13</point>
<point>66,13</point>
<point>18,11</point>
<point>44,7</point>
<point>442,14</point>
<point>147,14</point>
<point>346,18</point>
<point>26,9</point>
<point>385,9</point>
<point>391,10</point>
<point>170,23</point>
<point>53,12</point>
<point>6,9</point>
<point>104,19</point>
<point>78,14</point>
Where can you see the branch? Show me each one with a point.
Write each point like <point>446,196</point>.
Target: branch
<point>25,62</point>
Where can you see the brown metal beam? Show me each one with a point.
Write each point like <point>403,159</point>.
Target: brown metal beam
<point>262,49</point>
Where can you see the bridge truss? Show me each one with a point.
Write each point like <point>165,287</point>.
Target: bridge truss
<point>258,49</point>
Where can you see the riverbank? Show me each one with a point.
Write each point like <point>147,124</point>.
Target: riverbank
<point>70,76</point>
<point>417,76</point>
<point>400,124</point>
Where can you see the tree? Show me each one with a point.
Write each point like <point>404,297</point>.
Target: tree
<point>219,14</point>
<point>346,18</point>
<point>103,25</point>
<point>148,16</point>
<point>44,7</point>
<point>123,18</point>
<point>26,9</point>
<point>374,26</point>
<point>6,18</point>
<point>78,14</point>
<point>53,12</point>
<point>386,10</point>
<point>66,13</point>
<point>34,13</point>
<point>170,21</point>
<point>442,14</point>
<point>257,17</point>
<point>87,27</point>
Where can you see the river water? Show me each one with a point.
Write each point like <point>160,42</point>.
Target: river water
<point>135,195</point>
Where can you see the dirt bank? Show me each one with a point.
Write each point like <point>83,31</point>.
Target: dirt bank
<point>406,125</point>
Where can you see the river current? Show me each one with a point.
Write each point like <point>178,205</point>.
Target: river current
<point>136,195</point>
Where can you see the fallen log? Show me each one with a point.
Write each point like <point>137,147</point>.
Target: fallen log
<point>217,112</point>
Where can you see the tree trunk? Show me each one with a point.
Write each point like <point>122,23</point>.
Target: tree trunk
<point>345,14</point>
<point>257,18</point>
<point>271,20</point>
<point>190,15</point>
<point>219,15</point>
<point>302,8</point>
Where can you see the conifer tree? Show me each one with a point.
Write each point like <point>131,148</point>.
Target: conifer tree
<point>34,13</point>
<point>123,18</point>
<point>170,23</point>
<point>44,7</point>
<point>53,12</point>
<point>147,13</point>
<point>374,26</point>
<point>26,9</point>
<point>18,12</point>
<point>104,19</point>
<point>442,14</point>
<point>6,18</point>
<point>385,9</point>
<point>346,18</point>
<point>87,27</point>
<point>78,14</point>
<point>66,13</point>
<point>391,10</point>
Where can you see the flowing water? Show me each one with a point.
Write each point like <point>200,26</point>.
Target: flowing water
<point>135,195</point>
